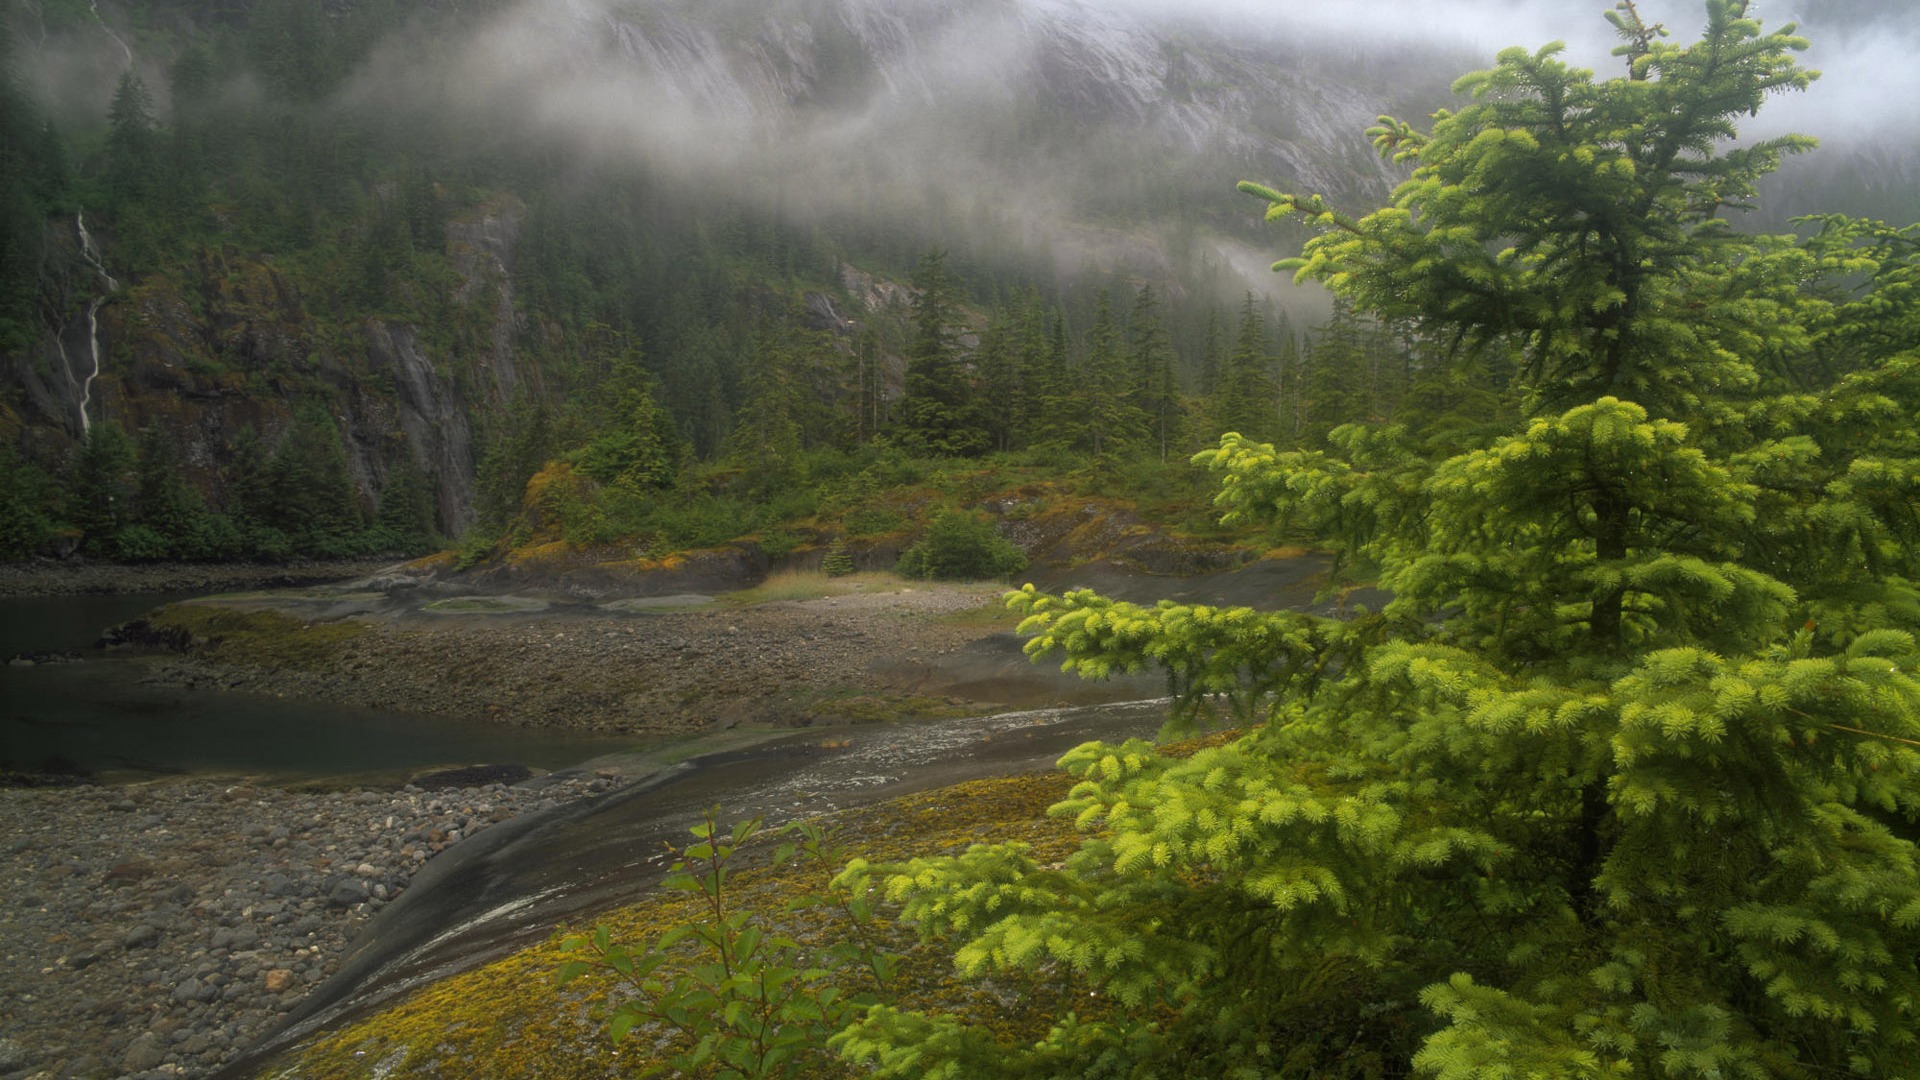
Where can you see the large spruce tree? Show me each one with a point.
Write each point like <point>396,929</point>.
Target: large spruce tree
<point>937,393</point>
<point>1623,781</point>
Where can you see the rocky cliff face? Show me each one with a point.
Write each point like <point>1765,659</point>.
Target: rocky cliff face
<point>231,343</point>
<point>972,88</point>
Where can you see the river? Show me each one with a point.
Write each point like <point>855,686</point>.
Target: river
<point>98,715</point>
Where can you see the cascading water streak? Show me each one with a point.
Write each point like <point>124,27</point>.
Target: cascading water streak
<point>126,50</point>
<point>92,256</point>
<point>93,344</point>
<point>91,253</point>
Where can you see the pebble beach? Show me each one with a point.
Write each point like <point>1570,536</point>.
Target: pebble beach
<point>157,930</point>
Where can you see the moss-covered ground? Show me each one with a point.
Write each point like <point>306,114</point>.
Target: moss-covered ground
<point>507,1020</point>
<point>261,638</point>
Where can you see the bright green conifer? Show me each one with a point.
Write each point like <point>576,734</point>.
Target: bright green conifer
<point>1624,780</point>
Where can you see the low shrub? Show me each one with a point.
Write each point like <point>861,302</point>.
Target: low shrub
<point>961,546</point>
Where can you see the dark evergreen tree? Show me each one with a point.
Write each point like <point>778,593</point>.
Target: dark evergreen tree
<point>1212,355</point>
<point>638,446</point>
<point>167,503</point>
<point>102,488</point>
<point>308,488</point>
<point>131,139</point>
<point>937,404</point>
<point>767,434</point>
<point>25,497</point>
<point>1352,374</point>
<point>1002,387</point>
<point>404,515</point>
<point>33,181</point>
<point>1156,385</point>
<point>1105,414</point>
<point>1245,399</point>
<point>515,442</point>
<point>1041,368</point>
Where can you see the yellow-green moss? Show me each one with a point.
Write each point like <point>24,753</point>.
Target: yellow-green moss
<point>538,553</point>
<point>266,638</point>
<point>439,560</point>
<point>507,1020</point>
<point>672,561</point>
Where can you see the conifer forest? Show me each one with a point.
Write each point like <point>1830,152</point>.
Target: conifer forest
<point>1592,379</point>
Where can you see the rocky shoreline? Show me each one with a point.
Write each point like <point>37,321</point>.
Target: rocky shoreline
<point>158,930</point>
<point>78,577</point>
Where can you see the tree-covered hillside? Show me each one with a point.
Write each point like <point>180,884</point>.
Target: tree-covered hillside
<point>285,278</point>
<point>277,262</point>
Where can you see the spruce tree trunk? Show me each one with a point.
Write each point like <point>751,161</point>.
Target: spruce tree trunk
<point>1612,514</point>
<point>1612,518</point>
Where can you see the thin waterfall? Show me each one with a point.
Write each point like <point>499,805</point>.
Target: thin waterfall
<point>93,8</point>
<point>93,345</point>
<point>92,256</point>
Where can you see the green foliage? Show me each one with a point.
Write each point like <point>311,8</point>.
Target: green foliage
<point>24,496</point>
<point>938,403</point>
<point>1622,781</point>
<point>838,561</point>
<point>873,521</point>
<point>961,546</point>
<point>729,994</point>
<point>637,447</point>
<point>1245,399</point>
<point>101,487</point>
<point>140,543</point>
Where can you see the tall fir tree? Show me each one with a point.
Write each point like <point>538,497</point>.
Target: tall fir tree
<point>168,504</point>
<point>1104,412</point>
<point>939,412</point>
<point>308,486</point>
<point>1244,397</point>
<point>102,489</point>
<point>1621,782</point>
<point>637,447</point>
<point>1156,382</point>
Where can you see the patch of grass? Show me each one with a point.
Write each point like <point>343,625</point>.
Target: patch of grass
<point>991,613</point>
<point>812,585</point>
<point>264,638</point>
<point>485,605</point>
<point>858,708</point>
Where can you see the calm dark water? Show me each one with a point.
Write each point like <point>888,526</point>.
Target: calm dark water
<point>97,715</point>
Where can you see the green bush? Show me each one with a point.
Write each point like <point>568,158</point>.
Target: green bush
<point>213,536</point>
<point>138,543</point>
<point>838,561</point>
<point>961,546</point>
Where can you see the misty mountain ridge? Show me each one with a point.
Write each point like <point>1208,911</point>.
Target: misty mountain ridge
<point>1043,117</point>
<point>413,214</point>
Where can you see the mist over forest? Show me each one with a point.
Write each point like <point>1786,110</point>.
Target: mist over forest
<point>472,214</point>
<point>1479,433</point>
